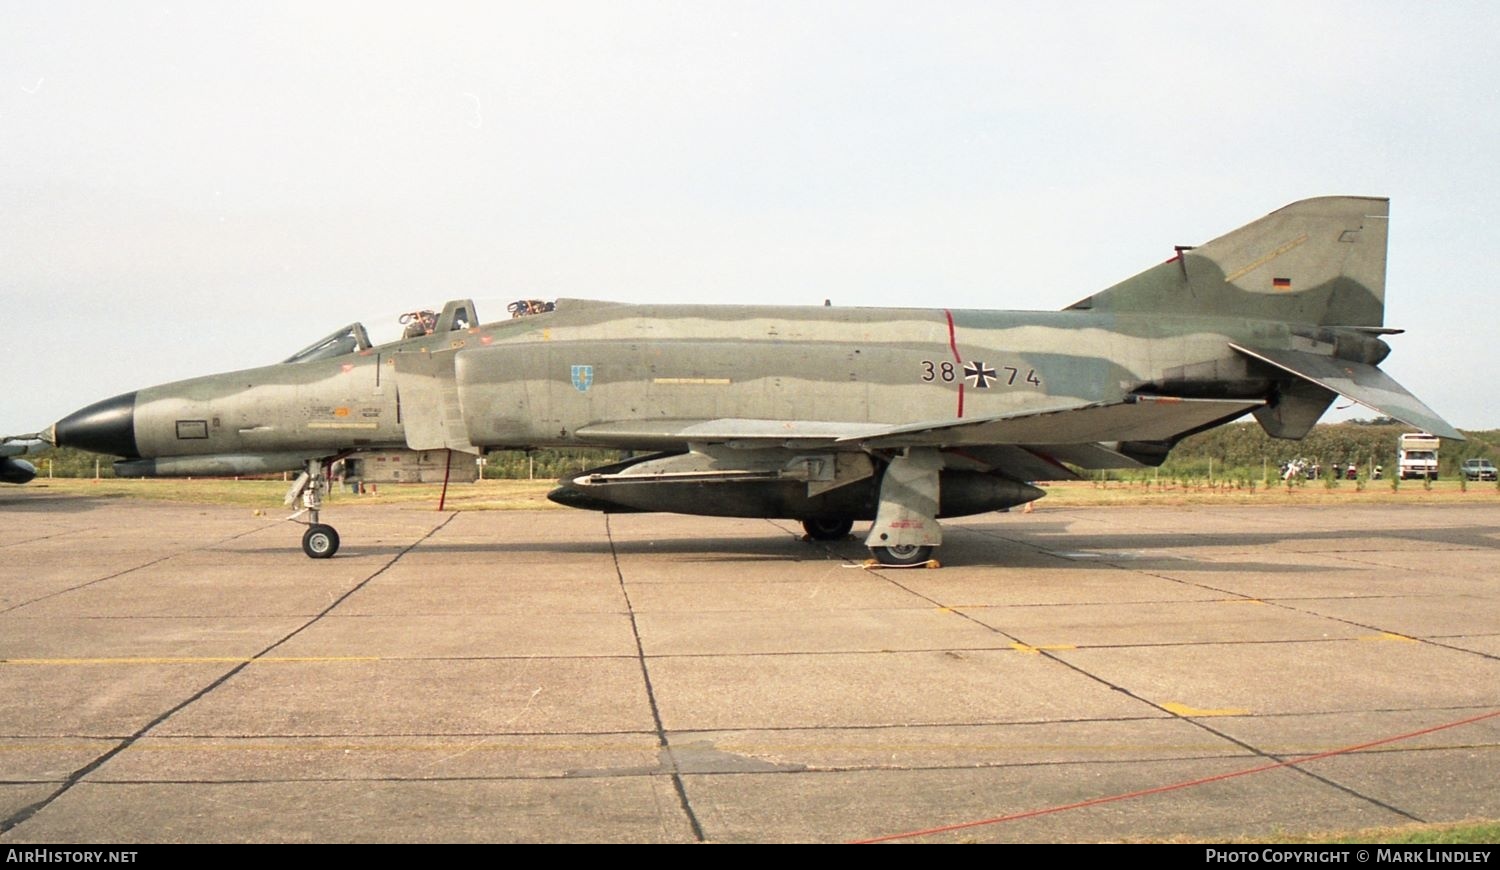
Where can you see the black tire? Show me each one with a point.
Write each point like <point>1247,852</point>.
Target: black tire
<point>828,528</point>
<point>902,557</point>
<point>320,541</point>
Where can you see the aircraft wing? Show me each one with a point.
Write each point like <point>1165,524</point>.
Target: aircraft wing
<point>1136,418</point>
<point>1056,431</point>
<point>1365,384</point>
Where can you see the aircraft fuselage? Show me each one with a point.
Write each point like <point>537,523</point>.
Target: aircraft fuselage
<point>549,380</point>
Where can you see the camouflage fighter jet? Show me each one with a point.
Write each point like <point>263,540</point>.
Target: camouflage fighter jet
<point>825,415</point>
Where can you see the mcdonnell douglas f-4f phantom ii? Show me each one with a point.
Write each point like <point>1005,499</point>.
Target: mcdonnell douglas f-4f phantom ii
<point>826,415</point>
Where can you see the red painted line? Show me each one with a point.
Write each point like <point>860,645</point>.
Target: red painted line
<point>1178,785</point>
<point>953,345</point>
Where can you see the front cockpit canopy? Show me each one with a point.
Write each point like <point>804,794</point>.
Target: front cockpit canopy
<point>350,339</point>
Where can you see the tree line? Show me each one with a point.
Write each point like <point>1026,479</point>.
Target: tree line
<point>1245,450</point>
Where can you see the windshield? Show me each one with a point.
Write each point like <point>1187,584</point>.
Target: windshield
<point>349,339</point>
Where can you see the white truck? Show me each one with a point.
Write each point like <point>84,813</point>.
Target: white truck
<point>1417,456</point>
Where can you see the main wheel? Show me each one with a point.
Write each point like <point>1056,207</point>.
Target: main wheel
<point>320,541</point>
<point>902,556</point>
<point>828,528</point>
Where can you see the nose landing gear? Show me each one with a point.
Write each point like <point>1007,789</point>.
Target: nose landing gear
<point>320,541</point>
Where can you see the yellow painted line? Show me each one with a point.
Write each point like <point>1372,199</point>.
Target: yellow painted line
<point>1287,246</point>
<point>1386,635</point>
<point>188,660</point>
<point>718,382</point>
<point>249,745</point>
<point>1185,710</point>
<point>1037,650</point>
<point>343,425</point>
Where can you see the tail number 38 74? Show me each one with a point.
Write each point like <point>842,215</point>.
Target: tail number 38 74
<point>976,373</point>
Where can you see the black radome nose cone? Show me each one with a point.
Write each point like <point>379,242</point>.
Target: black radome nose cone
<point>103,427</point>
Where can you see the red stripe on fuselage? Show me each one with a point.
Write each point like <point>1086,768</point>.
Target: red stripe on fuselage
<point>958,360</point>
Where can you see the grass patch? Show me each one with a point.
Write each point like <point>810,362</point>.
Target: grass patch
<point>1462,834</point>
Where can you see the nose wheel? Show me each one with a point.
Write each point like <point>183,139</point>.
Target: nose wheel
<point>320,541</point>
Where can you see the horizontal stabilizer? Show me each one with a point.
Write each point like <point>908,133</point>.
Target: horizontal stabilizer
<point>1365,384</point>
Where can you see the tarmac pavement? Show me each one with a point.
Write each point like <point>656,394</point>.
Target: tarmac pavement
<point>182,673</point>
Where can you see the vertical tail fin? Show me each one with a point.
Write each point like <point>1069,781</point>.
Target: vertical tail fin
<point>1318,261</point>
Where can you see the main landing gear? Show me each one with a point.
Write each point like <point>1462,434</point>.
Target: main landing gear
<point>320,541</point>
<point>905,531</point>
<point>837,528</point>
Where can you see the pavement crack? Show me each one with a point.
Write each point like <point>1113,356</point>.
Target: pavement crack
<point>130,570</point>
<point>1254,750</point>
<point>665,747</point>
<point>23,814</point>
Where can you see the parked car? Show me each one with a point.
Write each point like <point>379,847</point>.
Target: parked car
<point>1479,469</point>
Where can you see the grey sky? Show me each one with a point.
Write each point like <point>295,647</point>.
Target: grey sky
<point>199,187</point>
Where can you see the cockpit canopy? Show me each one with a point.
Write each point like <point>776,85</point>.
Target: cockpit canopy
<point>456,315</point>
<point>337,343</point>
